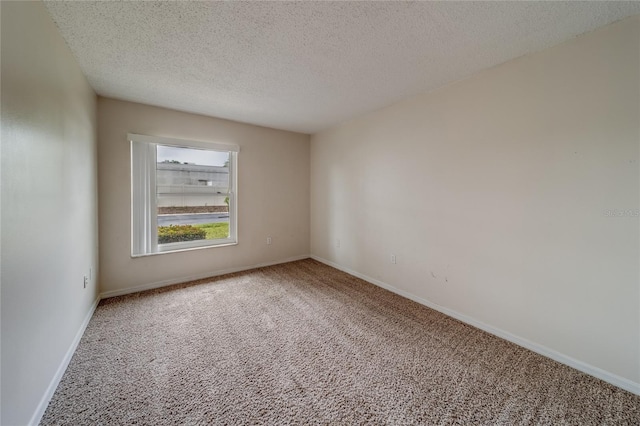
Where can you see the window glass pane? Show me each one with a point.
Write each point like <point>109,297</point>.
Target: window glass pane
<point>192,194</point>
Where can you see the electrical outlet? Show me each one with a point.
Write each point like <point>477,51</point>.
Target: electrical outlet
<point>338,242</point>
<point>268,241</point>
<point>86,281</point>
<point>393,259</point>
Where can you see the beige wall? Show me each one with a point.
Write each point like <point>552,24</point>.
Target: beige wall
<point>49,207</point>
<point>273,196</point>
<point>493,193</point>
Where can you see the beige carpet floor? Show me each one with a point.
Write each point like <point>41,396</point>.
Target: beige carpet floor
<point>303,343</point>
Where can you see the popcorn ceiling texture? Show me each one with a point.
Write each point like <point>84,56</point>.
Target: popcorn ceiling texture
<point>305,66</point>
<point>303,343</point>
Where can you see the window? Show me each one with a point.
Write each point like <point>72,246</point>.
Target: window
<point>183,194</point>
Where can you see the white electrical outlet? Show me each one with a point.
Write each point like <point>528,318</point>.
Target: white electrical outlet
<point>86,281</point>
<point>393,259</point>
<point>268,241</point>
<point>338,242</point>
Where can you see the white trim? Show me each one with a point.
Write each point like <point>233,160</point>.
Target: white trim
<point>55,381</point>
<point>208,246</point>
<point>591,370</point>
<point>188,245</point>
<point>231,147</point>
<point>165,283</point>
<point>613,379</point>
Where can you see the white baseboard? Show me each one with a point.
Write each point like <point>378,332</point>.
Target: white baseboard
<point>53,385</point>
<point>615,380</point>
<point>599,373</point>
<point>165,283</point>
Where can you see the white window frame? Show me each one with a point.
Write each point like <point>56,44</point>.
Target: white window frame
<point>144,217</point>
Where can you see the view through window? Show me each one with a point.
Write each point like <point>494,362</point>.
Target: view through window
<point>192,193</point>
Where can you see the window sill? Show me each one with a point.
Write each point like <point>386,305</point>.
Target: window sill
<point>179,250</point>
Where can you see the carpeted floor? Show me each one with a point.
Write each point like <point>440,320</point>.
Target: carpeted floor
<point>303,343</point>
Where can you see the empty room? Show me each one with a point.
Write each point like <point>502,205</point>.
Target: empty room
<point>318,212</point>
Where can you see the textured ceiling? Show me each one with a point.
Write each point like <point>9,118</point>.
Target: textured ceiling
<point>305,66</point>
